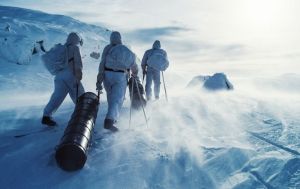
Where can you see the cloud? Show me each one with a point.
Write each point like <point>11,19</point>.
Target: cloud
<point>204,51</point>
<point>151,34</point>
<point>80,14</point>
<point>233,49</point>
<point>182,40</point>
<point>184,45</point>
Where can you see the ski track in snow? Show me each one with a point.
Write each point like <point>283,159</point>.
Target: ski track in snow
<point>198,139</point>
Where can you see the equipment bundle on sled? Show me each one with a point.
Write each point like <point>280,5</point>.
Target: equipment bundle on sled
<point>137,93</point>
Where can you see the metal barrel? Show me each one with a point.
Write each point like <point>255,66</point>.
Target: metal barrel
<point>71,153</point>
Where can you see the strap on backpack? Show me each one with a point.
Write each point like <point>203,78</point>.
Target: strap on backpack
<point>71,59</point>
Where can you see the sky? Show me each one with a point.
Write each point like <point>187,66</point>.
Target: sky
<point>194,31</point>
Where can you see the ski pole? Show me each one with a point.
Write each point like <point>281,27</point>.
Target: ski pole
<point>140,96</point>
<point>164,86</point>
<point>144,74</point>
<point>131,99</point>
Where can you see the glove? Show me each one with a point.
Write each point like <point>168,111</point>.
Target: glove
<point>144,68</point>
<point>99,86</point>
<point>144,71</point>
<point>134,75</point>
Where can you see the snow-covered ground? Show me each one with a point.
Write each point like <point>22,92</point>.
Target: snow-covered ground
<point>245,138</point>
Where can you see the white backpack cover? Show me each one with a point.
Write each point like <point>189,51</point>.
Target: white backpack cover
<point>120,58</point>
<point>56,59</point>
<point>158,60</point>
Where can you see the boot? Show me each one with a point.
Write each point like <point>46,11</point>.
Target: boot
<point>46,120</point>
<point>110,125</point>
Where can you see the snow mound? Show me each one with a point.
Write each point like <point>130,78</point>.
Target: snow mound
<point>197,80</point>
<point>218,81</point>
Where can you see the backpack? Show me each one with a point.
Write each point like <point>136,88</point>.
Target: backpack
<point>158,60</point>
<point>56,59</point>
<point>119,57</point>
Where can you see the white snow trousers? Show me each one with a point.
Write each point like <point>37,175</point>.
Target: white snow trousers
<point>115,84</point>
<point>64,83</point>
<point>152,75</point>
